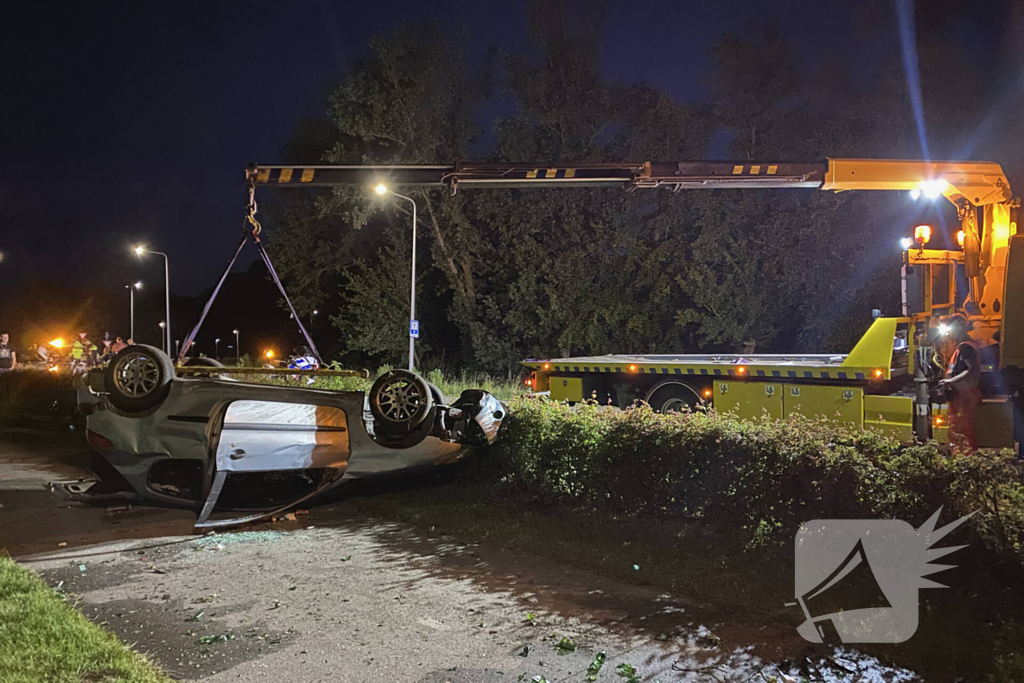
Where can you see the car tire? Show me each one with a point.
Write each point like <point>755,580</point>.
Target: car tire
<point>439,397</point>
<point>401,401</point>
<point>138,378</point>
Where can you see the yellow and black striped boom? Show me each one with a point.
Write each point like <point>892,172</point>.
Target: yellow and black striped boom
<point>977,183</point>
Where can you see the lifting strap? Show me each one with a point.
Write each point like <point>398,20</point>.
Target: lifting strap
<point>252,230</point>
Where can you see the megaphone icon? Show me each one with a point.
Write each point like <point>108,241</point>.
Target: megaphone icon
<point>851,586</point>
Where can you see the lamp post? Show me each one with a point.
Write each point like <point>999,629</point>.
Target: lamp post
<point>216,348</point>
<point>131,302</point>
<point>141,251</point>
<point>163,337</point>
<point>238,349</point>
<point>414,331</point>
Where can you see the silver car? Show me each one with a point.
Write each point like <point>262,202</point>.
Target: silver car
<point>201,442</point>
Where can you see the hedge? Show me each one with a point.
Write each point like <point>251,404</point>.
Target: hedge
<point>761,478</point>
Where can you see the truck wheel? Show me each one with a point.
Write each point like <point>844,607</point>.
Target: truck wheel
<point>138,378</point>
<point>401,401</point>
<point>672,396</point>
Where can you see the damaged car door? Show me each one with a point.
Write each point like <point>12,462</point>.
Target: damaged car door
<point>273,436</point>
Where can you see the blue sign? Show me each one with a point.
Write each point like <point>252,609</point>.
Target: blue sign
<point>414,329</point>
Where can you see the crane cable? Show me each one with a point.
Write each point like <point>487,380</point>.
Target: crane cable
<point>250,228</point>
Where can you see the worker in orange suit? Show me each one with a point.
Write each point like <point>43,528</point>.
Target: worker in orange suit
<point>963,378</point>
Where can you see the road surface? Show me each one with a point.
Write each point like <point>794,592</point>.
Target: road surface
<point>340,596</point>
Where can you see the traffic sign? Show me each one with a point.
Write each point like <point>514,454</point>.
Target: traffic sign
<point>414,329</point>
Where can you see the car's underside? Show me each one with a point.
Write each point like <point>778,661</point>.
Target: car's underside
<point>196,442</point>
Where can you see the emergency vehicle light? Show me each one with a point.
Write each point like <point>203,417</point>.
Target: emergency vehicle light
<point>922,234</point>
<point>960,239</point>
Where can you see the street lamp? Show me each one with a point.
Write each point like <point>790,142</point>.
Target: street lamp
<point>142,251</point>
<point>131,303</point>
<point>238,349</point>
<point>216,348</point>
<point>414,326</point>
<point>163,338</point>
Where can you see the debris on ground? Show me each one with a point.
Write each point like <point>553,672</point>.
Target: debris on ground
<point>62,544</point>
<point>629,672</point>
<point>301,513</point>
<point>198,616</point>
<point>595,666</point>
<point>565,646</point>
<point>219,638</point>
<point>525,652</point>
<point>706,639</point>
<point>220,541</point>
<point>531,619</point>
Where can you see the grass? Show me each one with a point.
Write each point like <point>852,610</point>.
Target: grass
<point>42,638</point>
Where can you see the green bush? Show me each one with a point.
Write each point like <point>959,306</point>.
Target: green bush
<point>761,478</point>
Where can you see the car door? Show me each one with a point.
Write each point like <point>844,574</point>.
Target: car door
<point>266,436</point>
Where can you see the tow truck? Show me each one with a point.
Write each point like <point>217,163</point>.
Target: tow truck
<point>888,381</point>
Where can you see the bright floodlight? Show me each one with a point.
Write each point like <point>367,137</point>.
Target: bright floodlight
<point>906,243</point>
<point>915,194</point>
<point>943,329</point>
<point>933,188</point>
<point>381,189</point>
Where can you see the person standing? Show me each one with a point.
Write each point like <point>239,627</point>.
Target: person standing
<point>8,358</point>
<point>118,346</point>
<point>963,378</point>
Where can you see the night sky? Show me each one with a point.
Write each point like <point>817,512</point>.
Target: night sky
<point>132,122</point>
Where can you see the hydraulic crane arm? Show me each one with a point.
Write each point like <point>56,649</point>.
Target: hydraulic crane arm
<point>975,183</point>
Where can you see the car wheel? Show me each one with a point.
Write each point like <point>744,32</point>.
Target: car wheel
<point>401,400</point>
<point>138,378</point>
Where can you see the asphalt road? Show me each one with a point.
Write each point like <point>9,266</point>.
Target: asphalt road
<point>339,596</point>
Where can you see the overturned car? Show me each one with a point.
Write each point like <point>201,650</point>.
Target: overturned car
<point>196,441</point>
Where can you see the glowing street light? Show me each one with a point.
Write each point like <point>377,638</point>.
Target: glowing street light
<point>268,354</point>
<point>131,303</point>
<point>414,326</point>
<point>238,348</point>
<point>142,250</point>
<point>216,347</point>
